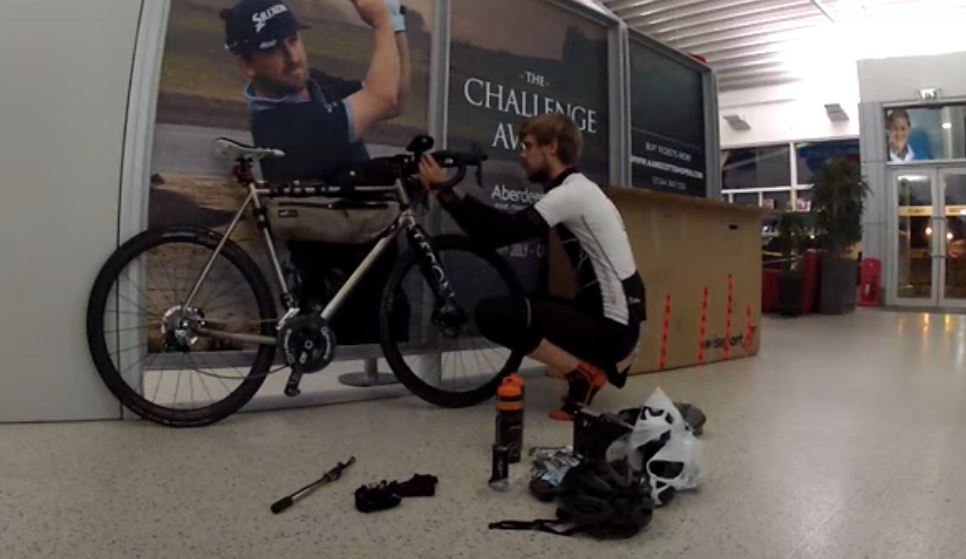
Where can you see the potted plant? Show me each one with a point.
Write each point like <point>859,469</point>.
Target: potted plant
<point>791,235</point>
<point>838,200</point>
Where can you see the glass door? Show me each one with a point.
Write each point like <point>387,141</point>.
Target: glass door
<point>952,241</point>
<point>916,253</point>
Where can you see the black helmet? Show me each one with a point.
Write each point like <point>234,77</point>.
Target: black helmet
<point>607,500</point>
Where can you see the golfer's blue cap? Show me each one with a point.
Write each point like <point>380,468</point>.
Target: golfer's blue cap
<point>258,25</point>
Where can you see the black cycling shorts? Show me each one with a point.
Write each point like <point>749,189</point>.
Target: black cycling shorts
<point>520,323</point>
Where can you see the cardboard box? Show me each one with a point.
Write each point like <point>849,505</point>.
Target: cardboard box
<point>701,264</point>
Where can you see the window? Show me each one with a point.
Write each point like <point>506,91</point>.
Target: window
<point>803,199</point>
<point>758,167</point>
<point>768,176</point>
<point>812,155</point>
<point>778,200</point>
<point>746,198</point>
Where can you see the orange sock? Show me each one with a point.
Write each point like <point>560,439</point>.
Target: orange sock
<point>584,383</point>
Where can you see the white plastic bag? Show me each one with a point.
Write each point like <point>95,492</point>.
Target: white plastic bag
<point>673,452</point>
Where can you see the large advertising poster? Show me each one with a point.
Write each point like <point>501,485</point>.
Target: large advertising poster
<point>512,59</point>
<point>667,124</point>
<point>926,133</point>
<point>207,91</point>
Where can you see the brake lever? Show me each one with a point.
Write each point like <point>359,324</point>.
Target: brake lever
<point>479,175</point>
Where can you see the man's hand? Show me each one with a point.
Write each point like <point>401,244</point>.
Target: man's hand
<point>397,15</point>
<point>430,172</point>
<point>373,12</point>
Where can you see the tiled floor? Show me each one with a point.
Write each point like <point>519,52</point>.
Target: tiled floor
<point>844,438</point>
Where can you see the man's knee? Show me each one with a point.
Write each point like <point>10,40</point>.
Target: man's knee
<point>505,320</point>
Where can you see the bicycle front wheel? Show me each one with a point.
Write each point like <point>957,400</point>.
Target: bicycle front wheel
<point>157,355</point>
<point>436,350</point>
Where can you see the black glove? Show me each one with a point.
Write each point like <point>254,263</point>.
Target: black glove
<point>376,497</point>
<point>386,495</point>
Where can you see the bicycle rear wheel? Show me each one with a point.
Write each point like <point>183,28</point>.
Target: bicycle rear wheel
<point>438,355</point>
<point>146,345</point>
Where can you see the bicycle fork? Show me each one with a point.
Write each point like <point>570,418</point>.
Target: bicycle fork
<point>448,308</point>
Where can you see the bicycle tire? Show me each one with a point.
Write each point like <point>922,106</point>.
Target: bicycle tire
<point>390,346</point>
<point>98,346</point>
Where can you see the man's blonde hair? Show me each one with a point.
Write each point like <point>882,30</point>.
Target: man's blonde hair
<point>548,127</point>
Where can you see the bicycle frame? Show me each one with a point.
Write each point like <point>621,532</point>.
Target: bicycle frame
<point>405,222</point>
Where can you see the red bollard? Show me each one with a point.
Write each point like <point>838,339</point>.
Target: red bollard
<point>870,283</point>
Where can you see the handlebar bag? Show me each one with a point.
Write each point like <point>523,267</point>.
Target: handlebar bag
<point>330,220</point>
<point>352,218</point>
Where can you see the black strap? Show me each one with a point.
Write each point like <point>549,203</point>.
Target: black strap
<point>539,525</point>
<point>420,485</point>
<point>301,190</point>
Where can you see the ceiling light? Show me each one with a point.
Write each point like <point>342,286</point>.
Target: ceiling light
<point>836,113</point>
<point>947,125</point>
<point>928,230</point>
<point>737,122</point>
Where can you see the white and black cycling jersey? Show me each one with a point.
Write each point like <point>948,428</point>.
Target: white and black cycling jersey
<point>591,229</point>
<point>595,238</point>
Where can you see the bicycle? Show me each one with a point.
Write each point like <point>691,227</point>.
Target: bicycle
<point>148,324</point>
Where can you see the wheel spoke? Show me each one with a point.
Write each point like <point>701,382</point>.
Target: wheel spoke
<point>120,351</point>
<point>157,387</point>
<point>140,387</point>
<point>144,294</point>
<point>177,382</point>
<point>204,386</point>
<point>191,386</point>
<point>220,276</point>
<point>225,361</point>
<point>174,302</point>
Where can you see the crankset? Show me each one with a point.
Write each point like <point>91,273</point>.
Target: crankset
<point>308,345</point>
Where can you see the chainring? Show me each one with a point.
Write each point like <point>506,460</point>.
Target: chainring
<point>308,342</point>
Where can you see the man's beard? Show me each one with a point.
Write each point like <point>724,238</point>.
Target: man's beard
<point>277,89</point>
<point>540,176</point>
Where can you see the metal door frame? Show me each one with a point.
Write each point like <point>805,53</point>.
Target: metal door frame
<point>893,298</point>
<point>937,298</point>
<point>940,188</point>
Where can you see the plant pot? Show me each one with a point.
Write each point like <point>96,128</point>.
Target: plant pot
<point>790,293</point>
<point>838,292</point>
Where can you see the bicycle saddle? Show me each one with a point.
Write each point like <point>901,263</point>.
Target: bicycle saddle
<point>233,150</point>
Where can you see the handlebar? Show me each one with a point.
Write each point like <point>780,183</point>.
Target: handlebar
<point>403,167</point>
<point>460,161</point>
